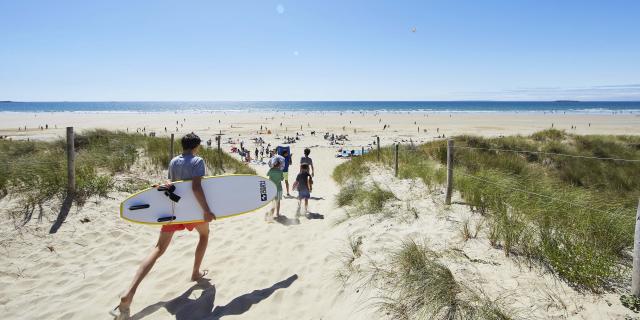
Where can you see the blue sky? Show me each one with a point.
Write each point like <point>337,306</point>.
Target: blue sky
<point>319,50</point>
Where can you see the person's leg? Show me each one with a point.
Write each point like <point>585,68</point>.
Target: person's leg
<point>306,205</point>
<point>278,208</point>
<point>163,242</point>
<point>203,232</point>
<point>269,213</point>
<point>286,183</point>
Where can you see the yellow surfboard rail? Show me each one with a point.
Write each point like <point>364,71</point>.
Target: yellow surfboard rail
<point>194,221</point>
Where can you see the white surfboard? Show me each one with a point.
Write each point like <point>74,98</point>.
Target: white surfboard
<point>227,196</point>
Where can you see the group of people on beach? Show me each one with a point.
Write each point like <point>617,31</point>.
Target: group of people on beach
<point>188,166</point>
<point>278,172</point>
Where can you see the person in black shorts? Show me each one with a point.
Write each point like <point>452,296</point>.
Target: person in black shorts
<point>304,185</point>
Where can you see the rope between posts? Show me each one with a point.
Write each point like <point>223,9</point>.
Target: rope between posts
<point>540,195</point>
<point>549,153</point>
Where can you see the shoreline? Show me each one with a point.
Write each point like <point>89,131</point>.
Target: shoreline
<point>361,111</point>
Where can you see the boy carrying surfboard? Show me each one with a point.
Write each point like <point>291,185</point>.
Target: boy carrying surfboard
<point>186,166</point>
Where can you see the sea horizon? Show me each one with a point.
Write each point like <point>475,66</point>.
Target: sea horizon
<point>453,106</point>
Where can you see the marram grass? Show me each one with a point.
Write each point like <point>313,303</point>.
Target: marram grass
<point>416,285</point>
<point>34,172</point>
<point>572,215</point>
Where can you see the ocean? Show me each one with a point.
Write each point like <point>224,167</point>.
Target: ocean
<point>587,107</point>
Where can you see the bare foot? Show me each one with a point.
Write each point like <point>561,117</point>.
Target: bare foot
<point>199,275</point>
<point>125,302</point>
<point>122,311</point>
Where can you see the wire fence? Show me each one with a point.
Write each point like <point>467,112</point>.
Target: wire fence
<point>408,149</point>
<point>548,153</point>
<point>618,213</point>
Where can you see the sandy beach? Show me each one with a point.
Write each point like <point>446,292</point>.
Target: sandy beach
<point>280,270</point>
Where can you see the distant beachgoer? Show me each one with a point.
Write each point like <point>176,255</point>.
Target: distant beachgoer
<point>306,160</point>
<point>256,153</point>
<point>182,167</point>
<point>304,185</point>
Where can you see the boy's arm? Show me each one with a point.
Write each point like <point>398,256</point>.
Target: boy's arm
<point>196,186</point>
<point>312,171</point>
<point>310,182</point>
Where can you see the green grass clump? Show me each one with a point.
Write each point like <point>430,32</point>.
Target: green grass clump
<point>363,199</point>
<point>220,162</point>
<point>348,194</point>
<point>418,286</point>
<point>573,215</point>
<point>355,168</point>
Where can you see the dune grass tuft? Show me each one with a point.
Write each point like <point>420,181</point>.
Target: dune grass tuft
<point>416,285</point>
<point>362,199</point>
<point>347,259</point>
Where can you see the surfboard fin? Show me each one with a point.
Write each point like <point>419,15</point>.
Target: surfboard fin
<point>165,219</point>
<point>168,191</point>
<point>139,206</point>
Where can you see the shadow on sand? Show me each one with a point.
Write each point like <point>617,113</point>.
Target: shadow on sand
<point>314,215</point>
<point>64,212</point>
<point>286,221</point>
<point>185,308</point>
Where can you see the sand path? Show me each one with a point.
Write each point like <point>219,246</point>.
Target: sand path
<point>283,270</point>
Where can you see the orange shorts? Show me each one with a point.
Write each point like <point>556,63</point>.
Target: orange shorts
<point>180,226</point>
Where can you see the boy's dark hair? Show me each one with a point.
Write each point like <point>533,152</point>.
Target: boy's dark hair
<point>307,151</point>
<point>285,152</point>
<point>190,141</point>
<point>304,166</point>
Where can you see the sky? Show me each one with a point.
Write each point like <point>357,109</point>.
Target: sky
<point>319,50</point>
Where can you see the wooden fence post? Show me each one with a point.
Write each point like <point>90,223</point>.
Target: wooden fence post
<point>71,162</point>
<point>449,171</point>
<point>378,144</point>
<point>219,152</point>
<point>397,146</point>
<point>635,277</point>
<point>71,183</point>
<point>171,148</point>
